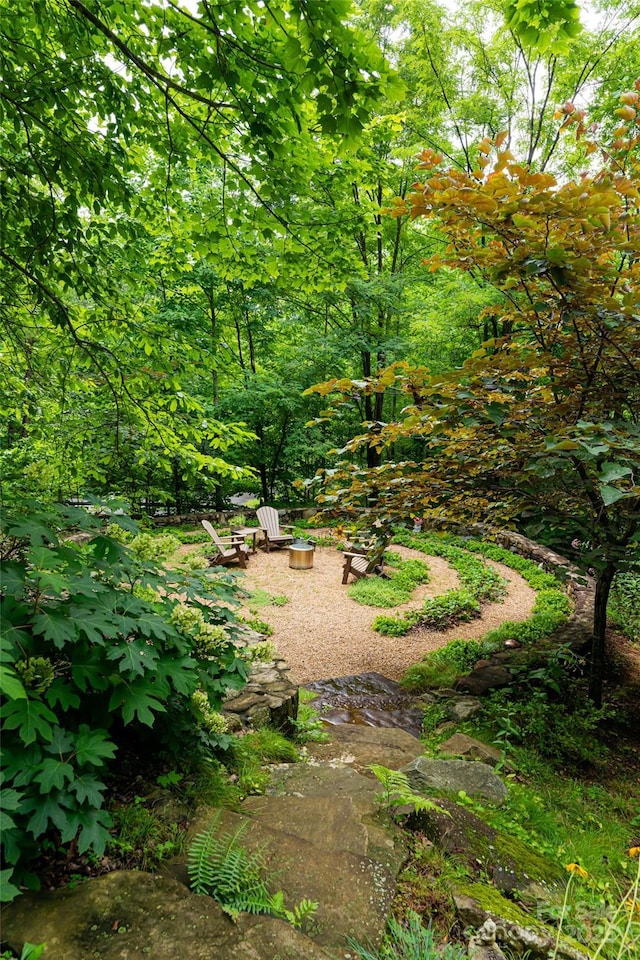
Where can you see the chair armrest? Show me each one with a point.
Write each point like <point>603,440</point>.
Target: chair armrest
<point>287,526</point>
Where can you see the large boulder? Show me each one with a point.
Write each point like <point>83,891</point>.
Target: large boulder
<point>520,931</point>
<point>129,914</point>
<point>474,778</point>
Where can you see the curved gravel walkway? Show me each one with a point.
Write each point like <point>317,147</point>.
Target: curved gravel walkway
<point>323,633</point>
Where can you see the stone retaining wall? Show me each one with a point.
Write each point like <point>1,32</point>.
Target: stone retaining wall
<point>268,699</point>
<point>494,671</point>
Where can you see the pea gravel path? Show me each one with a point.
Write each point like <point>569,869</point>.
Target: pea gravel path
<point>323,633</point>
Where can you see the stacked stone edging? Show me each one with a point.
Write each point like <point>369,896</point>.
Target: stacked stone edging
<point>271,698</point>
<point>577,632</point>
<point>268,699</point>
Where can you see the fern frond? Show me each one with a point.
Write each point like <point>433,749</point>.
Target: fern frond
<point>219,866</point>
<point>398,792</point>
<point>200,866</point>
<point>305,909</point>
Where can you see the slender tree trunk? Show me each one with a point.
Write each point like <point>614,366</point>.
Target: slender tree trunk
<point>275,463</point>
<point>598,647</point>
<point>374,458</point>
<point>177,485</point>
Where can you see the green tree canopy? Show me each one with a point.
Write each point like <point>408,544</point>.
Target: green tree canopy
<point>541,424</point>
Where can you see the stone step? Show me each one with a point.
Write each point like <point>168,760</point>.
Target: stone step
<point>353,891</point>
<point>129,914</point>
<point>323,836</point>
<point>359,745</point>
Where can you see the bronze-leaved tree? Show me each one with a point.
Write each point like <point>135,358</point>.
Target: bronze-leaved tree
<point>541,425</point>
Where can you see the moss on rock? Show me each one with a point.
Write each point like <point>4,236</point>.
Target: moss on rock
<point>516,928</point>
<point>508,861</point>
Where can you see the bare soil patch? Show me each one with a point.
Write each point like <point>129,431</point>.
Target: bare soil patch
<point>323,633</point>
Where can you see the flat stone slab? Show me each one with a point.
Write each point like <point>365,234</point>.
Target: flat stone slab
<point>326,778</point>
<point>359,745</point>
<point>353,892</point>
<point>334,823</point>
<point>463,746</point>
<point>475,778</point>
<point>343,823</point>
<point>129,915</point>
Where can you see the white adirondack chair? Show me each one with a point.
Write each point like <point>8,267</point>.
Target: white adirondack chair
<point>270,525</point>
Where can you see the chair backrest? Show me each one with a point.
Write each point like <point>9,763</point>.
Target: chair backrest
<point>269,520</point>
<point>214,536</point>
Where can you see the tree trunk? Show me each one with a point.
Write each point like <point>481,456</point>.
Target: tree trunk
<point>598,645</point>
<point>371,405</point>
<point>177,485</point>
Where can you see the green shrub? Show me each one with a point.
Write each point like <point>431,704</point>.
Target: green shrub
<point>438,613</point>
<point>97,649</point>
<point>441,668</point>
<point>144,546</point>
<point>403,577</point>
<point>396,626</point>
<point>561,728</point>
<point>190,535</point>
<point>260,626</point>
<point>308,723</point>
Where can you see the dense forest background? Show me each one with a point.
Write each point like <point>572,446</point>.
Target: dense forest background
<point>193,235</point>
<point>391,245</point>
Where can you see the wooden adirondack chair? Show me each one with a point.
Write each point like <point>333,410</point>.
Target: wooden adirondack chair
<point>270,525</point>
<point>360,563</point>
<point>229,549</point>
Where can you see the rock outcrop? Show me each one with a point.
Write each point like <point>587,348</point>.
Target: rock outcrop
<point>474,778</point>
<point>322,835</point>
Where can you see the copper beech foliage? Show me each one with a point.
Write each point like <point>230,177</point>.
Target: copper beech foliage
<point>542,422</point>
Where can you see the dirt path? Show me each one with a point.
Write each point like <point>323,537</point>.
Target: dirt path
<point>323,633</point>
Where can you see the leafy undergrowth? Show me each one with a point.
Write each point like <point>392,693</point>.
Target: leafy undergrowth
<point>150,805</point>
<point>103,649</point>
<point>624,604</point>
<point>573,798</point>
<point>479,584</point>
<point>402,578</point>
